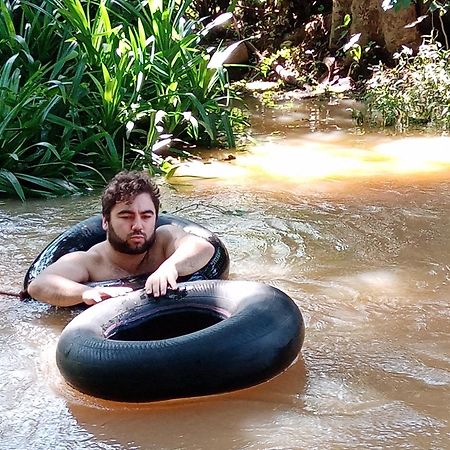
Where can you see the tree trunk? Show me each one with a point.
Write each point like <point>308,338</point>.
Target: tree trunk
<point>386,28</point>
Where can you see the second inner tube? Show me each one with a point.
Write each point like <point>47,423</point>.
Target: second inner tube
<point>89,232</point>
<point>209,337</point>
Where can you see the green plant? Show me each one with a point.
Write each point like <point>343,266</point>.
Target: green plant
<point>416,91</point>
<point>40,128</point>
<point>83,83</point>
<point>267,63</point>
<point>353,48</point>
<point>192,90</point>
<point>29,167</point>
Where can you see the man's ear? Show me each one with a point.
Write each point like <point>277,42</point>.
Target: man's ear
<point>104,223</point>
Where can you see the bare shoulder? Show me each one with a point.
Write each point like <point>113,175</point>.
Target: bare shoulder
<point>169,232</point>
<point>80,262</point>
<point>171,237</point>
<point>93,255</point>
<point>79,257</point>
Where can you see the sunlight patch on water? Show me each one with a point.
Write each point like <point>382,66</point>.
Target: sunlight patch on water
<point>345,157</point>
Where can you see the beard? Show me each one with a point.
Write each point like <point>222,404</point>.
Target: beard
<point>122,245</point>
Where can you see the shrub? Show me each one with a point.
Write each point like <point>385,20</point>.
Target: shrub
<point>415,92</point>
<point>88,88</point>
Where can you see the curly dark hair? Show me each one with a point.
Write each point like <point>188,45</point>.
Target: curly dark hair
<point>125,187</point>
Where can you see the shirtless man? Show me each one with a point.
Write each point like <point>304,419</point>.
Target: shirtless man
<point>133,246</point>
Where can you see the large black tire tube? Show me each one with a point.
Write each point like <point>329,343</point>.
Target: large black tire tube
<point>83,235</point>
<point>128,348</point>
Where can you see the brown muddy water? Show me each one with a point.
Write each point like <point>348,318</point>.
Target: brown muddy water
<point>353,225</point>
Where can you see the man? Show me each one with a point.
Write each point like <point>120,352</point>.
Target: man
<point>133,246</point>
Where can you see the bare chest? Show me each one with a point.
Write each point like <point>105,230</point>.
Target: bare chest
<point>105,269</point>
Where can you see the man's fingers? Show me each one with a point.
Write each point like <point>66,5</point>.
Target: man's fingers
<point>163,286</point>
<point>96,295</point>
<point>156,287</point>
<point>91,297</point>
<point>172,282</point>
<point>97,298</point>
<point>148,286</point>
<point>158,283</point>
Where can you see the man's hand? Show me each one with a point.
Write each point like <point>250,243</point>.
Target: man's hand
<point>163,278</point>
<point>98,294</point>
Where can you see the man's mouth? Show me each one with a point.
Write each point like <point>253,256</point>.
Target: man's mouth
<point>137,237</point>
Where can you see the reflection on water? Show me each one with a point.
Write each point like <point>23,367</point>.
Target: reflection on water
<point>362,251</point>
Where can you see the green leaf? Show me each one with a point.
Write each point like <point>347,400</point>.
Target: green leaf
<point>225,118</point>
<point>8,178</point>
<point>50,185</point>
<point>347,20</point>
<point>5,16</point>
<point>209,128</point>
<point>53,118</point>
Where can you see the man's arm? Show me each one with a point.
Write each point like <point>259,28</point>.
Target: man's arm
<point>61,283</point>
<point>185,254</point>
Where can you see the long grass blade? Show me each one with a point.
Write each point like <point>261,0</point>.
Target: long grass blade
<point>9,180</point>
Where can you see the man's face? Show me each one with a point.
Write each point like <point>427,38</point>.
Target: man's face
<point>131,228</point>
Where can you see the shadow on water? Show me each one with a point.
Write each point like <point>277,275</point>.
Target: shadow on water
<point>219,422</point>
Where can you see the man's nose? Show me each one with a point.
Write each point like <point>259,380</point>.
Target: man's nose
<point>137,224</point>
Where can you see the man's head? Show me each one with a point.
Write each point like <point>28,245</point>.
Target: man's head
<point>125,187</point>
<point>130,206</point>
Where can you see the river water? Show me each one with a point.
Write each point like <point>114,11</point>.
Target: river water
<point>353,225</point>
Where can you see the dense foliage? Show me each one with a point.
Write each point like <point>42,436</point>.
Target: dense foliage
<point>414,92</point>
<point>89,87</point>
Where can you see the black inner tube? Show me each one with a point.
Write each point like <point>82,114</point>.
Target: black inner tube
<point>89,232</point>
<point>166,325</point>
<point>206,338</point>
